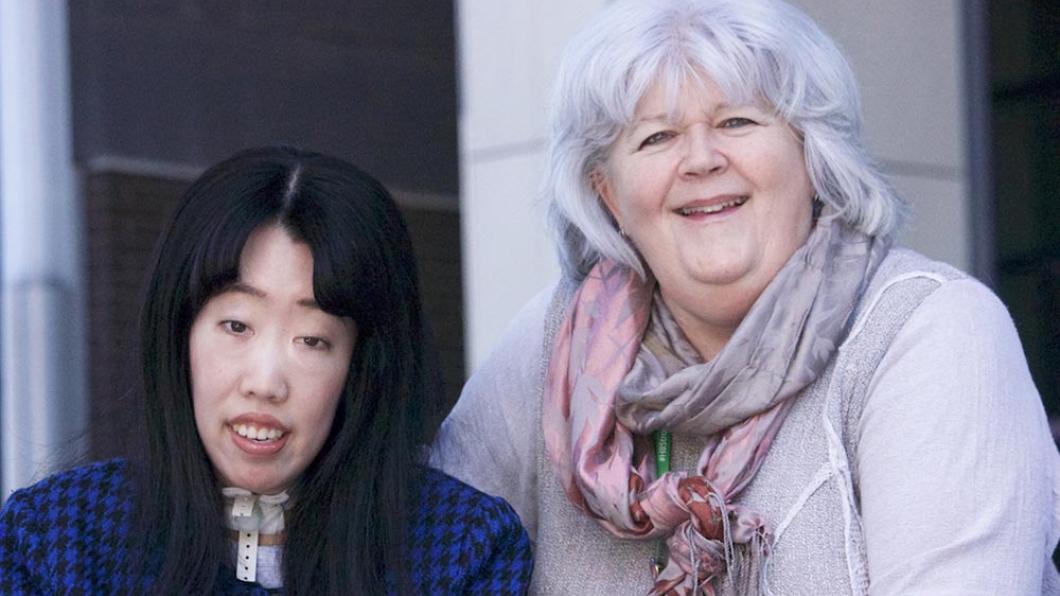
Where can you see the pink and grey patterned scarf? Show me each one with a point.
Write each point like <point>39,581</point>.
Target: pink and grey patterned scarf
<point>621,369</point>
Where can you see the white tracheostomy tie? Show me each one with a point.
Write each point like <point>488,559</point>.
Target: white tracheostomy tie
<point>251,515</point>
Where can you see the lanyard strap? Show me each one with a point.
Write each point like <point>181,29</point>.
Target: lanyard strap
<point>664,442</point>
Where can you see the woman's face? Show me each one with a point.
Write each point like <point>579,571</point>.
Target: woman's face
<point>267,367</point>
<point>716,201</point>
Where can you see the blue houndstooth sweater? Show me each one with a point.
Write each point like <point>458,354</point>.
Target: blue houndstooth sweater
<point>65,535</point>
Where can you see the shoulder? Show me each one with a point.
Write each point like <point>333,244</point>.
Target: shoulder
<point>446,501</point>
<point>485,438</point>
<point>907,285</point>
<point>935,333</point>
<point>65,532</point>
<point>910,286</point>
<point>903,265</point>
<point>935,342</point>
<point>79,491</point>
<point>462,537</point>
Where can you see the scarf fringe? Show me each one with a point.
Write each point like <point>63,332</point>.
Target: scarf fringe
<point>747,565</point>
<point>749,573</point>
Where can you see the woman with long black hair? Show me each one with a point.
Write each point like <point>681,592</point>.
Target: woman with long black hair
<point>286,391</point>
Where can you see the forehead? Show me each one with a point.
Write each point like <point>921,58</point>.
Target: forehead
<point>672,101</point>
<point>672,92</point>
<point>273,261</point>
<point>273,243</point>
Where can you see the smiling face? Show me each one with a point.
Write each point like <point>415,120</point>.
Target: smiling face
<point>267,367</point>
<point>715,197</point>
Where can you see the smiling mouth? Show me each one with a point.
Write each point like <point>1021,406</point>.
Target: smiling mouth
<point>258,434</point>
<point>716,208</point>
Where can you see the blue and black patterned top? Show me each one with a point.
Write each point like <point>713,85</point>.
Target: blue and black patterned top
<point>66,534</point>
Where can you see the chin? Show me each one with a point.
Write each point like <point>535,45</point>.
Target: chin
<point>719,273</point>
<point>257,484</point>
<point>716,267</point>
<point>719,278</point>
<point>266,488</point>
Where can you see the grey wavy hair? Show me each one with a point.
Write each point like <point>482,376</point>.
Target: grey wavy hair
<point>757,51</point>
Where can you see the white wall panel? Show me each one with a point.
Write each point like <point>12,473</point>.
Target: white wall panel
<point>907,57</point>
<point>508,256</point>
<point>508,57</point>
<point>939,219</point>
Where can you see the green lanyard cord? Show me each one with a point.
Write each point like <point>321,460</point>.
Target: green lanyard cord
<point>664,442</point>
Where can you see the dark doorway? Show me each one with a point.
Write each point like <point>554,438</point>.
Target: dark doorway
<point>1025,98</point>
<point>162,89</point>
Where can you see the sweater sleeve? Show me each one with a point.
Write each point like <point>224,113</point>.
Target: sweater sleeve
<point>487,441</point>
<point>957,466</point>
<point>17,538</point>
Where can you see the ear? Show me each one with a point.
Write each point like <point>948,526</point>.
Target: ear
<point>603,189</point>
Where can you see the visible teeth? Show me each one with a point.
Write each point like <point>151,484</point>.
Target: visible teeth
<point>714,208</point>
<point>257,434</point>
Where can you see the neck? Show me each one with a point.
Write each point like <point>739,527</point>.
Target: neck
<point>709,332</point>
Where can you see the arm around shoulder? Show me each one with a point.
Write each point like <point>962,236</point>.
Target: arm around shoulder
<point>956,464</point>
<point>488,440</point>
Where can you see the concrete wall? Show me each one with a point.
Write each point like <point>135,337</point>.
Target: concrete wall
<point>908,57</point>
<point>508,52</point>
<point>906,53</point>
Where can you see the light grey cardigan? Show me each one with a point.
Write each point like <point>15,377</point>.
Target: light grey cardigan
<point>919,463</point>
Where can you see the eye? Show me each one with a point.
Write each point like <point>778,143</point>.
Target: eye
<point>234,327</point>
<point>656,138</point>
<point>317,343</point>
<point>736,122</point>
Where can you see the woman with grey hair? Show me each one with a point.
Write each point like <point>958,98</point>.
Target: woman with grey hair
<point>740,385</point>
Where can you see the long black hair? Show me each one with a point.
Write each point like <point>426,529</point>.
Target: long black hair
<point>347,528</point>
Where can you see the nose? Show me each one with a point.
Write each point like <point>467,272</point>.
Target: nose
<point>702,153</point>
<point>264,374</point>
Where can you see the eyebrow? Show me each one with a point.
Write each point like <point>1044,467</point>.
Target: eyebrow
<point>245,288</point>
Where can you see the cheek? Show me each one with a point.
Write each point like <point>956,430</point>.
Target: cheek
<point>636,189</point>
<point>207,399</point>
<point>789,217</point>
<point>646,189</point>
<point>203,374</point>
<point>326,387</point>
<point>781,166</point>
